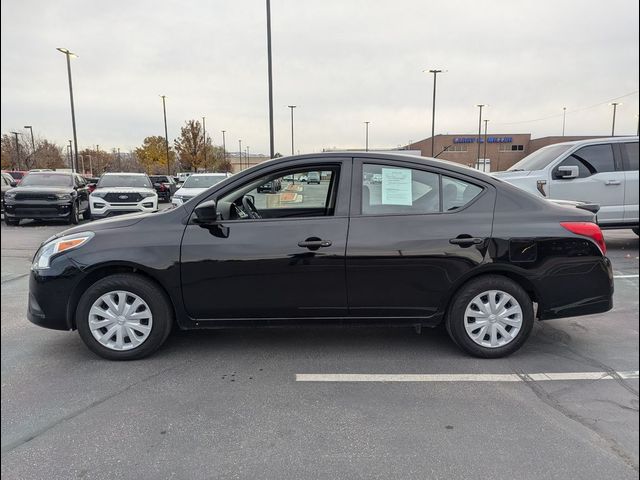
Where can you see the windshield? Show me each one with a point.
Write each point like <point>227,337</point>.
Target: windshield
<point>156,179</point>
<point>46,180</point>
<point>540,158</point>
<point>203,181</point>
<point>124,181</point>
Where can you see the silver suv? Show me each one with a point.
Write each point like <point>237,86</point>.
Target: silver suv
<point>602,171</point>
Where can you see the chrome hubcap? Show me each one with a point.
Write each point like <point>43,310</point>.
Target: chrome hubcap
<point>493,319</point>
<point>120,320</point>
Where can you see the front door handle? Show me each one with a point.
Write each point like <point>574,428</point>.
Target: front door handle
<point>314,243</point>
<point>466,241</point>
<point>612,182</point>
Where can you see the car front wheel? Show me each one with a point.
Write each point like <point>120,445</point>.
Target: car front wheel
<point>124,317</point>
<point>490,317</point>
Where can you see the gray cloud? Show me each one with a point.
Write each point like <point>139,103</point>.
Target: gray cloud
<point>342,62</point>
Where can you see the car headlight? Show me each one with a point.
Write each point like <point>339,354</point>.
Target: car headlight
<point>63,196</point>
<point>98,193</point>
<point>58,246</point>
<point>10,195</point>
<point>148,194</point>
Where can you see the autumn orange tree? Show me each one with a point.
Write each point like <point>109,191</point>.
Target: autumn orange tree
<point>152,155</point>
<point>191,146</point>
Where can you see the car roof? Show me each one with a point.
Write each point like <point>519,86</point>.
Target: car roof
<point>208,174</point>
<point>126,173</point>
<point>591,141</point>
<point>49,172</point>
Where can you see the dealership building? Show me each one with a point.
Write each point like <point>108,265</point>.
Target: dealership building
<point>499,152</point>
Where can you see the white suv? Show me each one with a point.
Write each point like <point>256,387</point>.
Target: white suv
<point>118,193</point>
<point>602,171</point>
<point>195,184</point>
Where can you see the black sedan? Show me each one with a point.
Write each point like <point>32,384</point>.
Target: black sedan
<point>429,243</point>
<point>48,195</point>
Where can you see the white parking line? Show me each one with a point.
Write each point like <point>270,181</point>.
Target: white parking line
<point>461,377</point>
<point>626,276</point>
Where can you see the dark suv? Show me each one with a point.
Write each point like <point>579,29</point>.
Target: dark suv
<point>47,195</point>
<point>165,187</point>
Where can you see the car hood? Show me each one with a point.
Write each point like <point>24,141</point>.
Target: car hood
<point>124,189</point>
<point>191,192</point>
<point>42,189</point>
<point>120,221</point>
<point>513,174</point>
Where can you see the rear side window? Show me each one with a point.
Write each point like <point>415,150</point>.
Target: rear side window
<point>397,190</point>
<point>630,156</point>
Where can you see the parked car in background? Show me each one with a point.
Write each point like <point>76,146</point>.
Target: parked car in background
<point>120,193</point>
<point>182,176</point>
<point>272,186</point>
<point>17,174</point>
<point>165,186</point>
<point>7,183</point>
<point>91,183</point>
<point>313,177</point>
<point>47,195</point>
<point>195,185</point>
<point>433,243</point>
<point>602,171</point>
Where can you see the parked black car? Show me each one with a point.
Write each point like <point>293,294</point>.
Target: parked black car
<point>48,195</point>
<point>165,187</point>
<point>432,243</point>
<point>8,182</point>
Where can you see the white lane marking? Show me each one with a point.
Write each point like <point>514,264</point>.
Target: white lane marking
<point>626,276</point>
<point>460,377</point>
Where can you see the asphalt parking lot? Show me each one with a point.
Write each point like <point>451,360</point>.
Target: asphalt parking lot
<point>234,404</point>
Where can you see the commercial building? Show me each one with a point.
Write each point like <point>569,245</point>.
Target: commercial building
<point>499,152</point>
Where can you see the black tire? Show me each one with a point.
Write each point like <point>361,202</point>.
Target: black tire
<point>158,303</point>
<point>74,215</point>
<point>11,222</point>
<point>86,215</point>
<point>455,317</point>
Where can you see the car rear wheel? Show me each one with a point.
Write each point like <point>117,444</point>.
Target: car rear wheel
<point>124,317</point>
<point>74,214</point>
<point>491,317</point>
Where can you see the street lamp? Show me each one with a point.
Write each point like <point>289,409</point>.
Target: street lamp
<point>248,162</point>
<point>17,149</point>
<point>33,143</point>
<point>485,144</point>
<point>204,136</point>
<point>240,154</point>
<point>69,149</point>
<point>224,146</point>
<point>270,75</point>
<point>166,135</point>
<point>613,125</point>
<point>366,136</point>
<point>433,110</point>
<point>564,118</point>
<point>69,54</point>
<point>480,106</point>
<point>292,107</point>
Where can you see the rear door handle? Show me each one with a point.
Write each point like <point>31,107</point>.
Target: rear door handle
<point>612,182</point>
<point>314,243</point>
<point>466,241</point>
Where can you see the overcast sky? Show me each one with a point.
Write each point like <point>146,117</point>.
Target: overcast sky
<point>342,62</point>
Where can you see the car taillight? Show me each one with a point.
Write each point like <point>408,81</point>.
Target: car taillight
<point>587,229</point>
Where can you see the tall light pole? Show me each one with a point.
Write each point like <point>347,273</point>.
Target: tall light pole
<point>613,124</point>
<point>69,148</point>
<point>485,145</point>
<point>240,154</point>
<point>97,159</point>
<point>119,160</point>
<point>269,63</point>
<point>564,118</point>
<point>204,136</point>
<point>69,54</point>
<point>248,162</point>
<point>17,150</point>
<point>292,107</point>
<point>366,136</point>
<point>224,146</point>
<point>480,106</point>
<point>166,135</point>
<point>433,110</point>
<point>33,143</point>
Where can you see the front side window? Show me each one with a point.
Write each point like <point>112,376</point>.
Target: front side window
<point>591,160</point>
<point>291,194</point>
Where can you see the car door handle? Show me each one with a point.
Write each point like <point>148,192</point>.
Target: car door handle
<point>466,241</point>
<point>612,182</point>
<point>314,243</point>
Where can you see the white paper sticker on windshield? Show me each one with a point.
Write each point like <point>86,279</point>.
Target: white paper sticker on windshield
<point>396,186</point>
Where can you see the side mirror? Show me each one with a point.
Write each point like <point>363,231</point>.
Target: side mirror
<point>206,212</point>
<point>14,184</point>
<point>567,172</point>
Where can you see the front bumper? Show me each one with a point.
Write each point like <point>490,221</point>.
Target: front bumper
<point>180,200</point>
<point>37,209</point>
<point>102,209</point>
